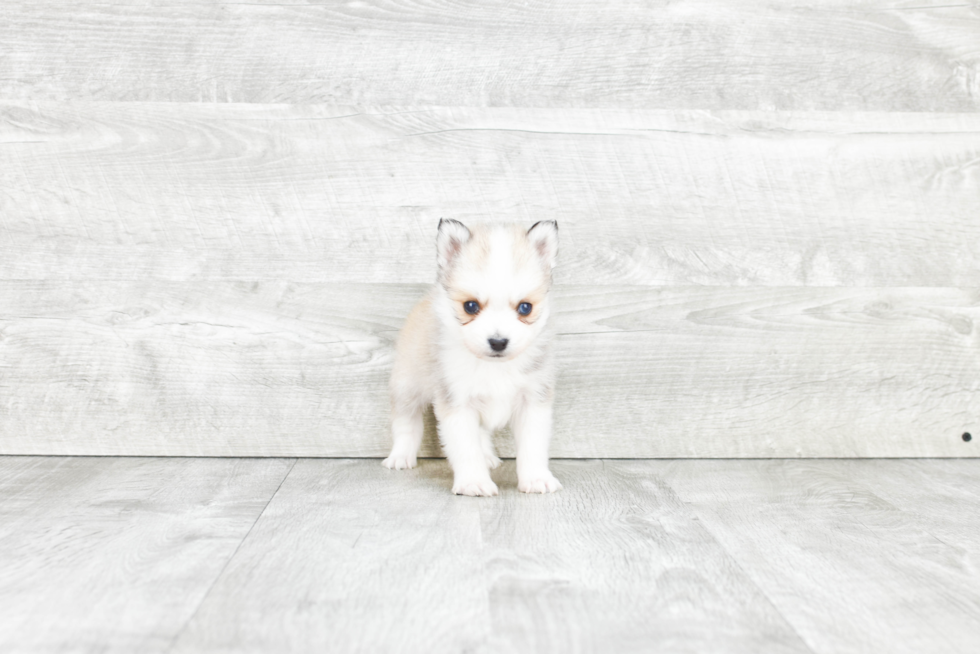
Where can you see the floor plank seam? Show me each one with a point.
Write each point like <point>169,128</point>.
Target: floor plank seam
<point>231,558</point>
<point>745,572</point>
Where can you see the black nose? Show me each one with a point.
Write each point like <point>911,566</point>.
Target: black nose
<point>497,344</point>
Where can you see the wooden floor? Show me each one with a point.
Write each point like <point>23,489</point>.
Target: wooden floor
<point>276,555</point>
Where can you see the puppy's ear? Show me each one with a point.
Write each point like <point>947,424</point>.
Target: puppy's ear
<point>449,241</point>
<point>543,236</point>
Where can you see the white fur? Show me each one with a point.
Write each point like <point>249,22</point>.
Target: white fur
<point>444,357</point>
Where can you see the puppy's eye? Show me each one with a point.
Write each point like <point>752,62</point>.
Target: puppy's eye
<point>524,308</point>
<point>471,307</point>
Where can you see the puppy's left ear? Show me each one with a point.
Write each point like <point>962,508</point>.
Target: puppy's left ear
<point>543,236</point>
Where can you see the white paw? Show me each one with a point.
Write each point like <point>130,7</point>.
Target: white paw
<point>492,460</point>
<point>394,462</point>
<point>475,488</point>
<point>541,483</point>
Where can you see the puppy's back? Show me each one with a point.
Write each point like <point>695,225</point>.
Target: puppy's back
<point>411,378</point>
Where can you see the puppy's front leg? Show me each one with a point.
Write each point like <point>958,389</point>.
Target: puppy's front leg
<point>459,431</point>
<point>532,434</point>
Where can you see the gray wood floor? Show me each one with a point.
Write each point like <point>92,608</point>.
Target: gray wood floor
<point>184,555</point>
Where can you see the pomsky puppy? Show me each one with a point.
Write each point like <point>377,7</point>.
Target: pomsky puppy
<point>478,349</point>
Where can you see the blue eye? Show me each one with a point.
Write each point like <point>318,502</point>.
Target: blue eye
<point>471,307</point>
<point>524,308</point>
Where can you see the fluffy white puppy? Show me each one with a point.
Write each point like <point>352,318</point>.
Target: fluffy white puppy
<point>478,349</point>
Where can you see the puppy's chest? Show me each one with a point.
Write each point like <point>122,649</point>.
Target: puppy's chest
<point>493,392</point>
<point>494,411</point>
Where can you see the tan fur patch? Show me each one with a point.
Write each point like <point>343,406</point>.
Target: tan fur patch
<point>535,299</point>
<point>458,297</point>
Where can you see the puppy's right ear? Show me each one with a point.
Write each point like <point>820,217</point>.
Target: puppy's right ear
<point>543,235</point>
<point>449,242</point>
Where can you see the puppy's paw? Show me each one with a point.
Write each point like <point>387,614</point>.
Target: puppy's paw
<point>493,461</point>
<point>475,487</point>
<point>539,483</point>
<point>397,462</point>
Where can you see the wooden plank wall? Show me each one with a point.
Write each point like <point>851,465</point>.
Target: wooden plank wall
<point>214,216</point>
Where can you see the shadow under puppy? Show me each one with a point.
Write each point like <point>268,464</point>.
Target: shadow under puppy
<point>478,349</point>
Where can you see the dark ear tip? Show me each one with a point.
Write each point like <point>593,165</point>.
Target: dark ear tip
<point>449,221</point>
<point>553,223</point>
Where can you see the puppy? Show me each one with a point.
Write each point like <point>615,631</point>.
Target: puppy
<point>478,349</point>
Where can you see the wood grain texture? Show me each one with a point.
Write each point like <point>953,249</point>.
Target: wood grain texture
<point>353,558</point>
<point>846,567</point>
<point>151,555</point>
<point>880,55</point>
<point>616,562</point>
<point>285,369</point>
<point>211,215</point>
<point>185,192</point>
<point>368,559</point>
<point>114,555</point>
<point>947,511</point>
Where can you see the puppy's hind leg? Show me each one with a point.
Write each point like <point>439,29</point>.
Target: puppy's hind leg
<point>406,436</point>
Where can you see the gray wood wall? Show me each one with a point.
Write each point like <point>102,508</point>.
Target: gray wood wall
<point>214,217</point>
